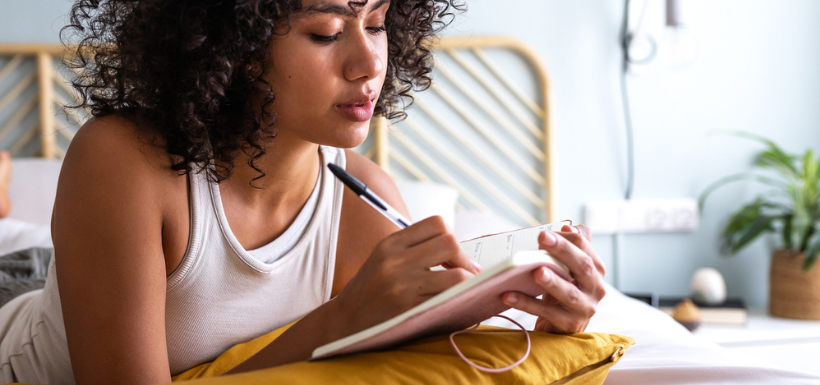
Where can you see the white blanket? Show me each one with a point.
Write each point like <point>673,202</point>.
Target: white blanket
<point>17,235</point>
<point>666,353</point>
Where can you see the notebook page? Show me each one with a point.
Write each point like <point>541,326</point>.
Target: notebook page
<point>491,249</point>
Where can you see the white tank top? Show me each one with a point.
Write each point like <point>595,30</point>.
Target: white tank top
<point>219,296</point>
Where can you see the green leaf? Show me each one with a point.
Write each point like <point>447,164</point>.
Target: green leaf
<point>738,177</point>
<point>811,254</point>
<point>779,161</point>
<point>811,190</point>
<point>773,157</point>
<point>791,208</point>
<point>758,226</point>
<point>809,170</point>
<point>744,134</point>
<point>746,224</point>
<point>809,234</point>
<point>741,219</point>
<point>788,238</point>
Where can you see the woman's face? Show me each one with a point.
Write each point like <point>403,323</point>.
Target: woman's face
<point>328,70</point>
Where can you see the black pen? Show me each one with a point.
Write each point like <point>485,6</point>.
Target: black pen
<point>368,196</point>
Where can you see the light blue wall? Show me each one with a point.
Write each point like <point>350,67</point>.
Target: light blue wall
<point>757,70</point>
<point>32,20</point>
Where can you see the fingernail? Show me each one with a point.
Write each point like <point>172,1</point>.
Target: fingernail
<point>549,238</point>
<point>545,275</point>
<point>477,266</point>
<point>512,299</point>
<point>575,230</point>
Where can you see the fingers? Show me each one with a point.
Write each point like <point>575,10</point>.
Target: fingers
<point>580,229</point>
<point>569,229</point>
<point>582,242</point>
<point>564,306</point>
<point>446,251</point>
<point>444,279</point>
<point>419,232</point>
<point>566,293</point>
<point>585,231</point>
<point>582,266</point>
<point>561,320</point>
<point>427,243</point>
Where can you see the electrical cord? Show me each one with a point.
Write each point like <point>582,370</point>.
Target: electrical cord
<point>625,39</point>
<point>630,150</point>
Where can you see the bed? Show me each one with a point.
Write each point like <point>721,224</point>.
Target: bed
<point>476,149</point>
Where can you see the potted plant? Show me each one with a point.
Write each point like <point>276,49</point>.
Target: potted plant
<point>792,210</point>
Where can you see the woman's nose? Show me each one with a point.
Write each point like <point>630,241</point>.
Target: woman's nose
<point>364,59</point>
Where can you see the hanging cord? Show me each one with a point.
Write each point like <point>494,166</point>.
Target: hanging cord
<point>630,150</point>
<point>625,39</point>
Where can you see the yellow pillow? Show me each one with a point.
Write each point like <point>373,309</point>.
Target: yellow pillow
<point>582,358</point>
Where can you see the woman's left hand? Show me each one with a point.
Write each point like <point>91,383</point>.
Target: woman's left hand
<point>565,307</point>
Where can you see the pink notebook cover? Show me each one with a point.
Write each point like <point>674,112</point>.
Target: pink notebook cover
<point>463,310</point>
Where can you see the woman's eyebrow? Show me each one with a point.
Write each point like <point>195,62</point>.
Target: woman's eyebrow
<point>341,10</point>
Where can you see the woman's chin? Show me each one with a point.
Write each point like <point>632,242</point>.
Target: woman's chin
<point>349,142</point>
<point>352,138</point>
<point>336,134</point>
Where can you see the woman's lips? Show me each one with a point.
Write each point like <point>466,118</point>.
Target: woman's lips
<point>358,112</point>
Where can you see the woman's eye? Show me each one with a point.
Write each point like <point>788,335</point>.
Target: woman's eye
<point>377,30</point>
<point>329,39</point>
<point>323,38</point>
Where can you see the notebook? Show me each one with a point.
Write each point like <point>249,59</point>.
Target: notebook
<point>508,260</point>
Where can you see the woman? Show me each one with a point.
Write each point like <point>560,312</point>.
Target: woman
<point>193,212</point>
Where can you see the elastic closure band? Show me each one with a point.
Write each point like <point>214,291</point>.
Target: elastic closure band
<point>484,368</point>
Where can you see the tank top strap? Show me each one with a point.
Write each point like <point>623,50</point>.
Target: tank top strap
<point>199,214</point>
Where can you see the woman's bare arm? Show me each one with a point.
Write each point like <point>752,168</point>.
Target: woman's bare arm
<point>380,271</point>
<point>107,230</point>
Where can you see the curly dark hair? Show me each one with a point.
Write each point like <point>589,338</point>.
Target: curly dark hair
<point>190,69</point>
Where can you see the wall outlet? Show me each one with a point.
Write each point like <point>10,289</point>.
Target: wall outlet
<point>642,216</point>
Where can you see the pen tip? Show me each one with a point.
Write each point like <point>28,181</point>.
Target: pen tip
<point>333,167</point>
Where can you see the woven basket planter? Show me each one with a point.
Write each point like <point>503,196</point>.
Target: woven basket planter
<point>793,293</point>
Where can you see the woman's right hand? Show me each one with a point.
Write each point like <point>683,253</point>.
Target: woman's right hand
<point>397,276</point>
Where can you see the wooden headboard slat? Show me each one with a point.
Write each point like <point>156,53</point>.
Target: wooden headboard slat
<point>524,141</point>
<point>516,131</point>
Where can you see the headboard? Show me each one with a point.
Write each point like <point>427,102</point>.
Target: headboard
<point>33,91</point>
<point>483,127</point>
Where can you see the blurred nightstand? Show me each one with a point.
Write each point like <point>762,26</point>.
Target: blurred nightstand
<point>792,344</point>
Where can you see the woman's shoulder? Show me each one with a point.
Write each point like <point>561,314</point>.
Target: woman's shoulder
<point>370,174</point>
<point>115,137</point>
<point>111,158</point>
<point>116,144</point>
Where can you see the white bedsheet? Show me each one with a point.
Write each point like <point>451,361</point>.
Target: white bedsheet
<point>17,235</point>
<point>666,353</point>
